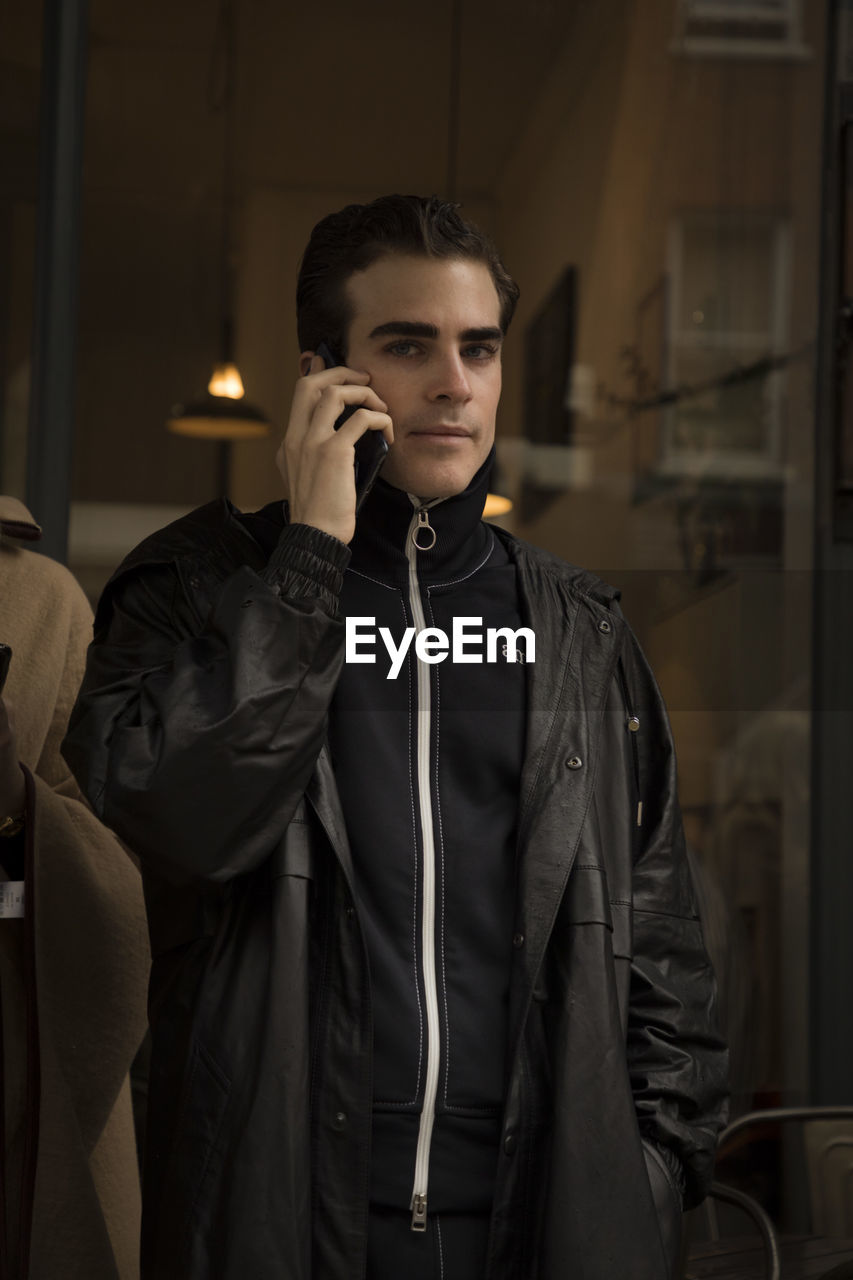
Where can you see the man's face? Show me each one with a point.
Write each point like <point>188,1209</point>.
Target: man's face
<point>427,331</point>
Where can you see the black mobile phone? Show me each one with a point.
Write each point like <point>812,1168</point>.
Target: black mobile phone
<point>5,659</point>
<point>370,449</point>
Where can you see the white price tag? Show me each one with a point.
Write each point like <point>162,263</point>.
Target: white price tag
<point>11,899</point>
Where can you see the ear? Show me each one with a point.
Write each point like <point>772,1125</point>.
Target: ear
<point>305,363</point>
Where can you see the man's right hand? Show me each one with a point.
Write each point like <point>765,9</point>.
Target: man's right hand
<point>316,461</point>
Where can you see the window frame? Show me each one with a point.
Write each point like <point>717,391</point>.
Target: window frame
<point>728,464</point>
<point>788,44</point>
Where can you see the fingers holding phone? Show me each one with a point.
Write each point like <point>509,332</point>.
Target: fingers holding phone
<point>333,409</point>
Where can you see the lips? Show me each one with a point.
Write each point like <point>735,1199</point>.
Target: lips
<point>442,429</point>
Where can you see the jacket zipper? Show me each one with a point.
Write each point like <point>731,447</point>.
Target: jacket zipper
<point>421,537</point>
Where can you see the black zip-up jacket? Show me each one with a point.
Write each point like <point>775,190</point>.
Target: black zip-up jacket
<point>199,737</point>
<point>428,758</point>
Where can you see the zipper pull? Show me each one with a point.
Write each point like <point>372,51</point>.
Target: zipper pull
<point>429,532</point>
<point>419,1213</point>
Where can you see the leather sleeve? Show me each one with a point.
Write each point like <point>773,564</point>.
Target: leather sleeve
<point>677,1061</point>
<point>198,725</point>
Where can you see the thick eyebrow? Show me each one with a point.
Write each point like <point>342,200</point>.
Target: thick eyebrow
<point>419,329</point>
<point>405,329</point>
<point>488,333</point>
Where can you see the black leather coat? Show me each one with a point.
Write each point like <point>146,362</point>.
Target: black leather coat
<point>199,737</point>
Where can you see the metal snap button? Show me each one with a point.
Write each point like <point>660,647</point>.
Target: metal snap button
<point>633,723</point>
<point>518,940</point>
<point>574,762</point>
<point>340,1120</point>
<point>510,1144</point>
<point>604,626</point>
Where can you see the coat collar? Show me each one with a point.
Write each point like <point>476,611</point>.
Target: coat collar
<point>382,530</point>
<point>16,521</point>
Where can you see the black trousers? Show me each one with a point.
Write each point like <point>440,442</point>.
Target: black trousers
<point>453,1247</point>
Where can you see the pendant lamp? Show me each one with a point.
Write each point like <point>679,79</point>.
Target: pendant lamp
<point>222,412</point>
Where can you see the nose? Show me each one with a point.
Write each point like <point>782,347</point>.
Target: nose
<point>451,380</point>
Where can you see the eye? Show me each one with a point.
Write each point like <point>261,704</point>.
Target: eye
<point>403,347</point>
<point>480,351</point>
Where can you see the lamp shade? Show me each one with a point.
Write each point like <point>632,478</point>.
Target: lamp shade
<point>222,413</point>
<point>217,418</point>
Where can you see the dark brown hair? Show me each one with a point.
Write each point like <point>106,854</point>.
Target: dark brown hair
<point>350,241</point>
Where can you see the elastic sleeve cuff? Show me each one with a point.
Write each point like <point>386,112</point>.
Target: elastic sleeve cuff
<point>308,564</point>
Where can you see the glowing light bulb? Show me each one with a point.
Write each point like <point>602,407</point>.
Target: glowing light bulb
<point>226,381</point>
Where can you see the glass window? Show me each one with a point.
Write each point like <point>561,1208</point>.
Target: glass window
<point>728,319</point>
<point>691,218</point>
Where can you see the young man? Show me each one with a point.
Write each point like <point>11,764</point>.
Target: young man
<point>429,994</point>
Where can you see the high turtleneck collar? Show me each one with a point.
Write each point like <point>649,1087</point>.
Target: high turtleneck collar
<point>382,529</point>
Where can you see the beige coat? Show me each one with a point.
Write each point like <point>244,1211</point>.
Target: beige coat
<point>85,938</point>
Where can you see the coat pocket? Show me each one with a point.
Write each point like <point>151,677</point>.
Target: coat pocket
<point>586,900</point>
<point>294,855</point>
<point>587,903</point>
